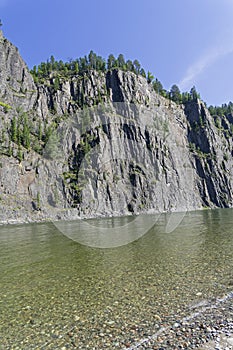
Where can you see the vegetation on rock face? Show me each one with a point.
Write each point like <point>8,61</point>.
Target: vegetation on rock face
<point>222,110</point>
<point>83,65</point>
<point>5,106</point>
<point>27,133</point>
<point>23,133</point>
<point>56,70</point>
<point>175,141</point>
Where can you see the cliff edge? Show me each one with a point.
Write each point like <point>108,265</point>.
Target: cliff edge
<point>105,144</point>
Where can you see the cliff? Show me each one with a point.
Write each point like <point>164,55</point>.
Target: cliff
<point>127,151</point>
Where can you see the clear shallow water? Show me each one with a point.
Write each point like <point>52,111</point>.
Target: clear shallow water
<point>58,293</point>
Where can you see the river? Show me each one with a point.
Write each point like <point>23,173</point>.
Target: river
<point>57,293</point>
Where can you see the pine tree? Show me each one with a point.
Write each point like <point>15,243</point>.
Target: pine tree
<point>52,61</point>
<point>121,61</point>
<point>137,66</point>
<point>129,66</point>
<point>76,68</point>
<point>157,85</point>
<point>111,61</point>
<point>92,60</point>
<point>52,145</point>
<point>150,77</point>
<point>20,154</point>
<point>143,73</point>
<point>14,129</point>
<point>193,93</point>
<point>26,133</point>
<point>10,150</point>
<point>175,94</point>
<point>56,84</point>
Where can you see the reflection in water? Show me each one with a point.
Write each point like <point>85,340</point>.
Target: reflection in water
<point>50,284</point>
<point>107,233</point>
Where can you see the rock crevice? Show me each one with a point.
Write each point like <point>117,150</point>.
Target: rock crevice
<point>115,147</point>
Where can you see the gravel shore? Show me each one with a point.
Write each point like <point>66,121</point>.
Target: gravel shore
<point>209,327</point>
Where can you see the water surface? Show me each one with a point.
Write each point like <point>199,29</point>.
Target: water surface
<point>57,293</point>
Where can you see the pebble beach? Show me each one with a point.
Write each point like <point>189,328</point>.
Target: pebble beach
<point>209,327</point>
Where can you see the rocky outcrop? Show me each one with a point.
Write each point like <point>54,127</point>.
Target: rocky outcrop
<point>211,145</point>
<point>16,84</point>
<point>128,151</point>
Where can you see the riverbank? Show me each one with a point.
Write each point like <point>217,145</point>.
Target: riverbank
<point>24,215</point>
<point>10,216</point>
<point>209,327</point>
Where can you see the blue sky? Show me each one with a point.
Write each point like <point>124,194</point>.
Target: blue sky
<point>181,42</point>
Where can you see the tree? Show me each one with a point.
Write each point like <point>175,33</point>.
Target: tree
<point>92,60</point>
<point>52,61</point>
<point>230,107</point>
<point>111,61</point>
<point>60,65</point>
<point>185,97</point>
<point>83,64</point>
<point>129,66</point>
<point>100,64</point>
<point>26,133</point>
<point>10,150</point>
<point>0,24</point>
<point>14,129</point>
<point>34,72</point>
<point>20,154</point>
<point>143,73</point>
<point>211,109</point>
<point>164,93</point>
<point>121,61</point>
<point>74,67</point>
<point>194,94</point>
<point>150,77</point>
<point>157,85</point>
<point>137,66</point>
<point>52,150</point>
<point>19,132</point>
<point>175,94</point>
<point>56,84</point>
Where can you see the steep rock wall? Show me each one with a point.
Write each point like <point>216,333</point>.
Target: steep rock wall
<point>128,151</point>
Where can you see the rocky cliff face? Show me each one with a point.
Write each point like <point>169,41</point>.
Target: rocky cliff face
<point>128,151</point>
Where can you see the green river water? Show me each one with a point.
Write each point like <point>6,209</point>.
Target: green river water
<point>59,294</point>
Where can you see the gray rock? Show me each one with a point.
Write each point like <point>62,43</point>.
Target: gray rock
<point>129,151</point>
